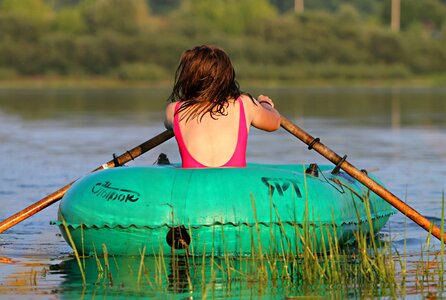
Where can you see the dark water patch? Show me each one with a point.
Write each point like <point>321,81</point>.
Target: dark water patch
<point>7,193</point>
<point>28,186</point>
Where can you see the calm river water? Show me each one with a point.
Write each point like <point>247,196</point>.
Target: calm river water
<point>50,137</point>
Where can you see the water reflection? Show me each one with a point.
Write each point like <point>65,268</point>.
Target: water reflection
<point>120,277</point>
<point>391,107</point>
<point>180,277</point>
<point>123,276</point>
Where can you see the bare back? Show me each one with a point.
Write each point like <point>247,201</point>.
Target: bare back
<point>212,141</point>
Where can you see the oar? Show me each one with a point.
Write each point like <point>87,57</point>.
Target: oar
<point>57,195</point>
<point>314,143</point>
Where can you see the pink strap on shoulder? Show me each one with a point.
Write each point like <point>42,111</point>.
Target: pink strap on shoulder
<point>238,158</point>
<point>187,161</point>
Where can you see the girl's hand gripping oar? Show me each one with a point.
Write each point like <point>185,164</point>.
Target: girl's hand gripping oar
<point>314,143</point>
<point>57,195</point>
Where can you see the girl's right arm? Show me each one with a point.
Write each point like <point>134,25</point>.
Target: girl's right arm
<point>263,114</point>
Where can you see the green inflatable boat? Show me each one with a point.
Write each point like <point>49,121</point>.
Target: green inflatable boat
<point>217,211</point>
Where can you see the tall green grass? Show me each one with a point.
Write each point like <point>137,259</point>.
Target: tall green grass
<point>370,267</point>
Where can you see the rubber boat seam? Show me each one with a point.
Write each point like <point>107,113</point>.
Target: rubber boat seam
<point>264,224</point>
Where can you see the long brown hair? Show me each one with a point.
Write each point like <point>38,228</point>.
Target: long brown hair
<point>205,78</point>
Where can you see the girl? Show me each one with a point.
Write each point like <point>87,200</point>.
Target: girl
<point>209,114</point>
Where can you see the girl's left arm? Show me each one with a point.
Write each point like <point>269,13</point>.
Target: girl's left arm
<point>262,114</point>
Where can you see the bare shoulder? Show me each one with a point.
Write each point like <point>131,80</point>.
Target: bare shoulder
<point>247,100</point>
<point>250,104</point>
<point>171,107</point>
<point>170,111</point>
<point>261,113</point>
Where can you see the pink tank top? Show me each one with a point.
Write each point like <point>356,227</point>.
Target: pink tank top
<point>238,158</point>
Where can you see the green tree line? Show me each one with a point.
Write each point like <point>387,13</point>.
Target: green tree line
<point>143,39</point>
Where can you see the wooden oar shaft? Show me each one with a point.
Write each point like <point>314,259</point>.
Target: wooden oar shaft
<point>363,178</point>
<point>57,195</point>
